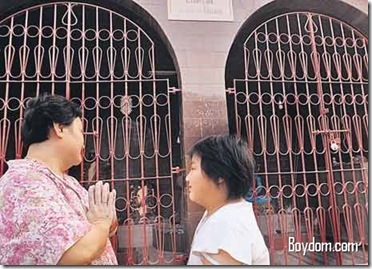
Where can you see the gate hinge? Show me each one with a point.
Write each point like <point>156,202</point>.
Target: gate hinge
<point>230,90</point>
<point>177,170</point>
<point>174,90</point>
<point>94,133</point>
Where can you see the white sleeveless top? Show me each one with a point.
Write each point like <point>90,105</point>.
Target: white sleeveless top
<point>232,228</point>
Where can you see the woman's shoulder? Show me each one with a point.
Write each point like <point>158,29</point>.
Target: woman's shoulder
<point>23,178</point>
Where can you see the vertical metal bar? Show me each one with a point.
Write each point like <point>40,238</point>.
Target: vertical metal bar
<point>156,140</point>
<point>113,138</point>
<point>262,128</point>
<point>358,138</point>
<point>38,60</point>
<point>8,70</point>
<point>83,74</point>
<point>141,131</point>
<point>53,60</point>
<point>322,232</point>
<point>348,136</point>
<point>23,72</point>
<point>110,59</point>
<point>173,220</point>
<point>334,109</point>
<point>295,211</point>
<point>287,123</point>
<point>300,130</point>
<point>99,124</point>
<point>324,126</point>
<point>127,144</point>
<point>365,169</point>
<point>280,213</point>
<point>68,53</point>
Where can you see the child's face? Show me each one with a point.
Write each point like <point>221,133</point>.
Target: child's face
<point>200,186</point>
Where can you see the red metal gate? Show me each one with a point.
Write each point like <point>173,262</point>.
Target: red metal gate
<point>106,63</point>
<point>303,106</point>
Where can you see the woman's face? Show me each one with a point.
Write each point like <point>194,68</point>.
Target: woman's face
<point>74,142</point>
<point>199,184</point>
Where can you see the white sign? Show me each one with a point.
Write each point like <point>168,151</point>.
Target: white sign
<point>200,10</point>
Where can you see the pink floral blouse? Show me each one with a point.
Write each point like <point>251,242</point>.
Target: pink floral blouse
<point>41,216</point>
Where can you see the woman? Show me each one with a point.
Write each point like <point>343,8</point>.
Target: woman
<point>221,174</point>
<point>46,216</point>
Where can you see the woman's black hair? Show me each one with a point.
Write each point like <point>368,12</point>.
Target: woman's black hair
<point>226,157</point>
<point>40,114</point>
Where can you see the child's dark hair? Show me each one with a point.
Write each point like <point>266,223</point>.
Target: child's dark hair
<point>226,157</point>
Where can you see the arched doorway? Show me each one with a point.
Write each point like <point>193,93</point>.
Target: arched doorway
<point>297,89</point>
<point>125,77</point>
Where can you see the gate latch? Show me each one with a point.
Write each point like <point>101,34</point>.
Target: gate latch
<point>177,170</point>
<point>333,138</point>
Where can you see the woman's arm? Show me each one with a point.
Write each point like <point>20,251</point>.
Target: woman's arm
<point>101,215</point>
<point>88,248</point>
<point>114,226</point>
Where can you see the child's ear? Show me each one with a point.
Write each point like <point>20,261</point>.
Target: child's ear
<point>220,181</point>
